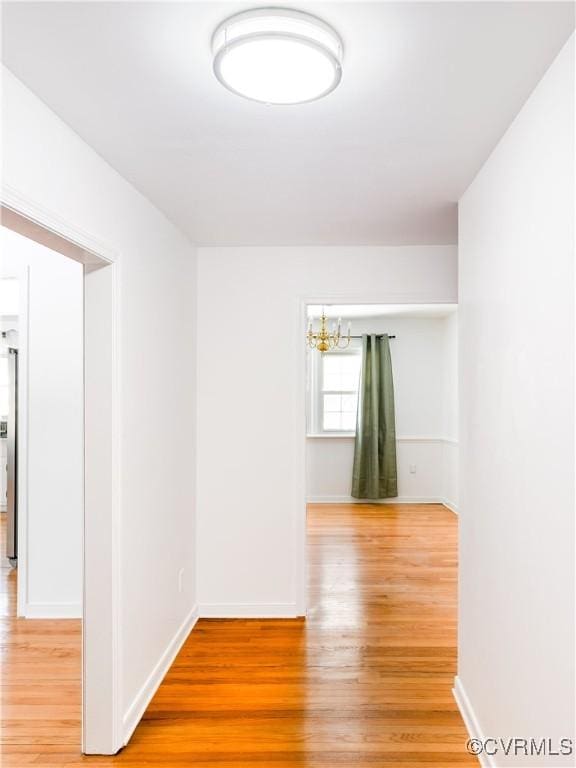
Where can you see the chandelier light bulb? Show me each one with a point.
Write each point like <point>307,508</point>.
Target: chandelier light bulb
<point>325,340</point>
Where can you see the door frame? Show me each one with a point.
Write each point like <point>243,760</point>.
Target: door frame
<point>300,447</point>
<point>102,731</point>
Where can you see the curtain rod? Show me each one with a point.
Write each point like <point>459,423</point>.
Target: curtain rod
<point>380,335</point>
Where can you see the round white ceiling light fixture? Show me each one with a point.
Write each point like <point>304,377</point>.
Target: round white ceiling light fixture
<point>277,56</point>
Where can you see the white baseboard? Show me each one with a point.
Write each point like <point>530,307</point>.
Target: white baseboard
<point>248,611</point>
<point>451,506</point>
<point>52,611</point>
<point>470,720</point>
<point>395,500</point>
<point>138,707</point>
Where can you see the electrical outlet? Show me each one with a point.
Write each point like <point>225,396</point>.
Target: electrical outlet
<point>180,579</point>
<point>412,469</point>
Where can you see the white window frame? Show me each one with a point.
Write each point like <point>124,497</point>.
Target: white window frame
<point>316,393</point>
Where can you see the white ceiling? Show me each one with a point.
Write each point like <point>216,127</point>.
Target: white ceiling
<point>355,311</point>
<point>428,89</point>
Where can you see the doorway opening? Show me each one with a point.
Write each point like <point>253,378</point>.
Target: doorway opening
<point>423,351</point>
<point>9,311</point>
<point>423,417</point>
<point>382,572</point>
<point>66,388</point>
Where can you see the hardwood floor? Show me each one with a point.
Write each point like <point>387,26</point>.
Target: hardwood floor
<point>364,681</point>
<point>40,681</point>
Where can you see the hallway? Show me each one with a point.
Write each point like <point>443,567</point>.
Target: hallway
<point>365,681</point>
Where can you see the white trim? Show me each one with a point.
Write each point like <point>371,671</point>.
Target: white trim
<point>52,611</point>
<point>299,409</point>
<point>393,500</point>
<point>22,449</point>
<point>424,439</point>
<point>470,720</point>
<point>47,227</point>
<point>300,405</point>
<point>249,611</point>
<point>135,711</point>
<point>49,220</point>
<point>451,506</point>
<point>399,439</point>
<point>116,501</point>
<point>331,436</point>
<point>388,297</point>
<point>102,730</point>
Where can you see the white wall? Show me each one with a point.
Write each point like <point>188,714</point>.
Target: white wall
<point>516,639</point>
<point>425,391</point>
<point>51,393</point>
<point>251,469</point>
<point>46,162</point>
<point>451,450</point>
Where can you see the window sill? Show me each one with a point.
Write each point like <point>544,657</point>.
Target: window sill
<point>331,435</point>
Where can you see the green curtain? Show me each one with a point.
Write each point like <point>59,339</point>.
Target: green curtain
<point>374,474</point>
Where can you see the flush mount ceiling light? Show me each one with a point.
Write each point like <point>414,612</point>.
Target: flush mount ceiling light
<point>277,56</point>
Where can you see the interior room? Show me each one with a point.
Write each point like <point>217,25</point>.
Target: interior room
<point>9,302</point>
<point>291,471</point>
<point>41,542</point>
<point>44,427</point>
<point>424,363</point>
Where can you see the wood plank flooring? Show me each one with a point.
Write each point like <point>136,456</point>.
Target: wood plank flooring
<point>365,681</point>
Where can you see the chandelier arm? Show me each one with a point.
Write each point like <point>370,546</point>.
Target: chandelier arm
<point>326,339</point>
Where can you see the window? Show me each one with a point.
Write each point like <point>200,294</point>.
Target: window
<point>334,391</point>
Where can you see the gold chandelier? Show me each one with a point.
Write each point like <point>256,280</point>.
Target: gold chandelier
<point>325,340</point>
